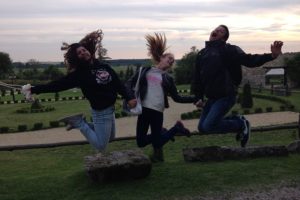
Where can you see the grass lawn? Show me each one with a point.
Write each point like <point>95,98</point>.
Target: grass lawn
<point>58,173</point>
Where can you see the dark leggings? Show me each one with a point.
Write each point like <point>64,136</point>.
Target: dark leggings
<point>157,137</point>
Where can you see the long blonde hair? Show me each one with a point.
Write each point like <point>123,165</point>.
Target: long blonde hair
<point>156,45</point>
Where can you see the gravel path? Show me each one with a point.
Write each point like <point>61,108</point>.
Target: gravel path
<point>283,191</point>
<point>126,126</point>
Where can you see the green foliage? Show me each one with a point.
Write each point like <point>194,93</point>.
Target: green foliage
<point>22,127</point>
<point>185,67</point>
<point>37,126</point>
<point>54,123</point>
<point>5,64</point>
<point>247,101</point>
<point>4,129</point>
<point>51,73</point>
<point>36,105</point>
<point>293,68</point>
<point>258,110</point>
<point>269,109</point>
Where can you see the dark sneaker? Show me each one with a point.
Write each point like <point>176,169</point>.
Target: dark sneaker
<point>239,134</point>
<point>72,121</point>
<point>70,126</point>
<point>181,129</point>
<point>164,130</point>
<point>157,156</point>
<point>246,133</point>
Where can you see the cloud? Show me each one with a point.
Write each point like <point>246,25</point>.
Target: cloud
<point>45,24</point>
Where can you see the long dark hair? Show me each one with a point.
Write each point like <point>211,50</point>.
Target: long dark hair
<point>92,42</point>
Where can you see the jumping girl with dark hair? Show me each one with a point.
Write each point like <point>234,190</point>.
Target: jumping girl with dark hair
<point>154,86</point>
<point>99,84</point>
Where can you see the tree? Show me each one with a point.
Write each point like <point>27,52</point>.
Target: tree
<point>5,64</point>
<point>185,67</point>
<point>247,101</point>
<point>51,73</point>
<point>293,68</point>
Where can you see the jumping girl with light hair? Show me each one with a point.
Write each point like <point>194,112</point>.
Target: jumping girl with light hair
<point>154,86</point>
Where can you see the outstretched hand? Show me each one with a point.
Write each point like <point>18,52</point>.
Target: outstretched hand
<point>200,104</point>
<point>276,48</point>
<point>26,91</point>
<point>132,103</point>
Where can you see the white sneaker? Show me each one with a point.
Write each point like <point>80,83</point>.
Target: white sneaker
<point>246,133</point>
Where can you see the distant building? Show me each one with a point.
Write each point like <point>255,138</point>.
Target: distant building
<point>259,76</point>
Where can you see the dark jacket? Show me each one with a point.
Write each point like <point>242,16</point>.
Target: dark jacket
<point>218,70</point>
<point>98,82</point>
<point>169,87</point>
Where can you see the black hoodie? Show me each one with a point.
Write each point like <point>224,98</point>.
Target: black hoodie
<point>218,70</point>
<point>98,82</point>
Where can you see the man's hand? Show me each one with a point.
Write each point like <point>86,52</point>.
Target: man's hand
<point>132,103</point>
<point>276,48</point>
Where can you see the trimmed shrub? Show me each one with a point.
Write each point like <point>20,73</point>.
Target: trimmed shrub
<point>258,110</point>
<point>291,107</point>
<point>282,108</point>
<point>247,101</point>
<point>269,109</point>
<point>184,116</point>
<point>246,112</point>
<point>38,126</point>
<point>56,96</point>
<point>36,105</point>
<point>4,129</point>
<point>234,112</point>
<point>22,127</point>
<point>54,123</point>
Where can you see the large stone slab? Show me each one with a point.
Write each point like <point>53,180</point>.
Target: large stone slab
<point>217,153</point>
<point>118,165</point>
<point>294,147</point>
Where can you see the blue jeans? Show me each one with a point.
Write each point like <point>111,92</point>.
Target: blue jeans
<point>212,119</point>
<point>102,130</point>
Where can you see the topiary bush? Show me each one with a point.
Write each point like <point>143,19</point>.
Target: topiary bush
<point>247,101</point>
<point>4,129</point>
<point>22,127</point>
<point>269,109</point>
<point>38,126</point>
<point>258,110</point>
<point>54,123</point>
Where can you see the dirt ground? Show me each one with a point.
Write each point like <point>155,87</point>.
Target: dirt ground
<point>126,126</point>
<point>283,191</point>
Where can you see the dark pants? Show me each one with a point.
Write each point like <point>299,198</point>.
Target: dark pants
<point>158,137</point>
<point>212,119</point>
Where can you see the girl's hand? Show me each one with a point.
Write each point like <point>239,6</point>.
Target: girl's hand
<point>132,103</point>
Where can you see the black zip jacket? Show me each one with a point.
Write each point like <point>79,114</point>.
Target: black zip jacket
<point>168,84</point>
<point>218,70</point>
<point>98,82</point>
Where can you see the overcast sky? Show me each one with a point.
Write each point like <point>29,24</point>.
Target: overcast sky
<point>35,29</point>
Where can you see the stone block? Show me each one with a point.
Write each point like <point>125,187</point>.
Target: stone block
<point>118,165</point>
